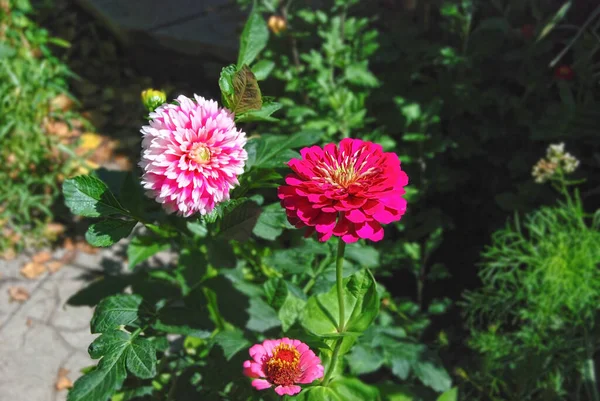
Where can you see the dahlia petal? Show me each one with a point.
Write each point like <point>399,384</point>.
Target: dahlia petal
<point>261,384</point>
<point>289,390</point>
<point>172,169</point>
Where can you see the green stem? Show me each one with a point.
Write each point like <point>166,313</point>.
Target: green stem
<point>589,370</point>
<point>322,266</point>
<point>334,359</point>
<point>339,264</point>
<point>339,275</point>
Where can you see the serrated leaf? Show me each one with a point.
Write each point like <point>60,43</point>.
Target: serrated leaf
<point>246,93</point>
<point>88,196</point>
<point>262,316</point>
<point>107,342</point>
<point>109,375</point>
<point>264,114</point>
<point>450,395</point>
<point>141,358</point>
<point>364,360</point>
<point>223,208</point>
<point>143,247</point>
<point>321,315</point>
<point>273,151</point>
<point>238,224</point>
<point>359,74</point>
<point>115,311</point>
<point>262,69</point>
<point>432,374</point>
<point>108,232</point>
<point>271,222</point>
<point>254,38</point>
<point>226,82</point>
<point>231,341</point>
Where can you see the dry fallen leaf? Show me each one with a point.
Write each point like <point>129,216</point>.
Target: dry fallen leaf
<point>41,257</point>
<point>62,381</point>
<point>62,102</point>
<point>32,270</point>
<point>68,244</point>
<point>90,141</point>
<point>54,266</point>
<point>86,248</point>
<point>18,294</point>
<point>29,322</point>
<point>9,254</point>
<point>55,229</point>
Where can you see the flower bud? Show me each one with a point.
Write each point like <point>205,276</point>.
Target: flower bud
<point>153,98</point>
<point>564,73</point>
<point>277,24</point>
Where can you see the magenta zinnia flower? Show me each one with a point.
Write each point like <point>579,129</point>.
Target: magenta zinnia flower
<point>282,363</point>
<point>192,154</point>
<point>348,191</point>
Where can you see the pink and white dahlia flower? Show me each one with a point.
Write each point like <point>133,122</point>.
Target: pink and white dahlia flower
<point>192,154</point>
<point>283,363</point>
<point>347,191</point>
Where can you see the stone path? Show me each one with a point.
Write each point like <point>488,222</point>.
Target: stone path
<point>43,335</point>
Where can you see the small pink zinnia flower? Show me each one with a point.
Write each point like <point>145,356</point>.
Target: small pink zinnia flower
<point>282,363</point>
<point>192,154</point>
<point>348,191</point>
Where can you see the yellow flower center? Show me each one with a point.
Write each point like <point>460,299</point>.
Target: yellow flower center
<point>282,368</point>
<point>200,153</point>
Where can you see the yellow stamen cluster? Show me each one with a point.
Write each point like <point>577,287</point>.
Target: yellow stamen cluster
<point>200,153</point>
<point>344,173</point>
<point>282,368</point>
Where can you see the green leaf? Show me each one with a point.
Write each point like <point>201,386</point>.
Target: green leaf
<point>556,18</point>
<point>226,83</point>
<point>232,342</point>
<point>86,195</point>
<point>262,316</point>
<point>141,358</point>
<point>290,311</point>
<point>109,375</point>
<point>361,302</point>
<point>364,255</point>
<point>450,395</point>
<point>115,311</point>
<point>347,389</point>
<point>143,247</point>
<point>109,231</point>
<point>271,222</point>
<point>273,151</point>
<point>238,224</point>
<point>432,374</point>
<point>254,38</point>
<point>246,93</point>
<point>352,389</point>
<point>359,74</point>
<point>222,209</point>
<point>105,343</point>
<point>364,359</point>
<point>133,393</point>
<point>262,69</point>
<point>264,114</point>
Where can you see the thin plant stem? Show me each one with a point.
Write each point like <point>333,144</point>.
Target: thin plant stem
<point>334,359</point>
<point>339,275</point>
<point>589,370</point>
<point>339,264</point>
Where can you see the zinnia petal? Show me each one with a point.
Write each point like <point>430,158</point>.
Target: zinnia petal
<point>347,190</point>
